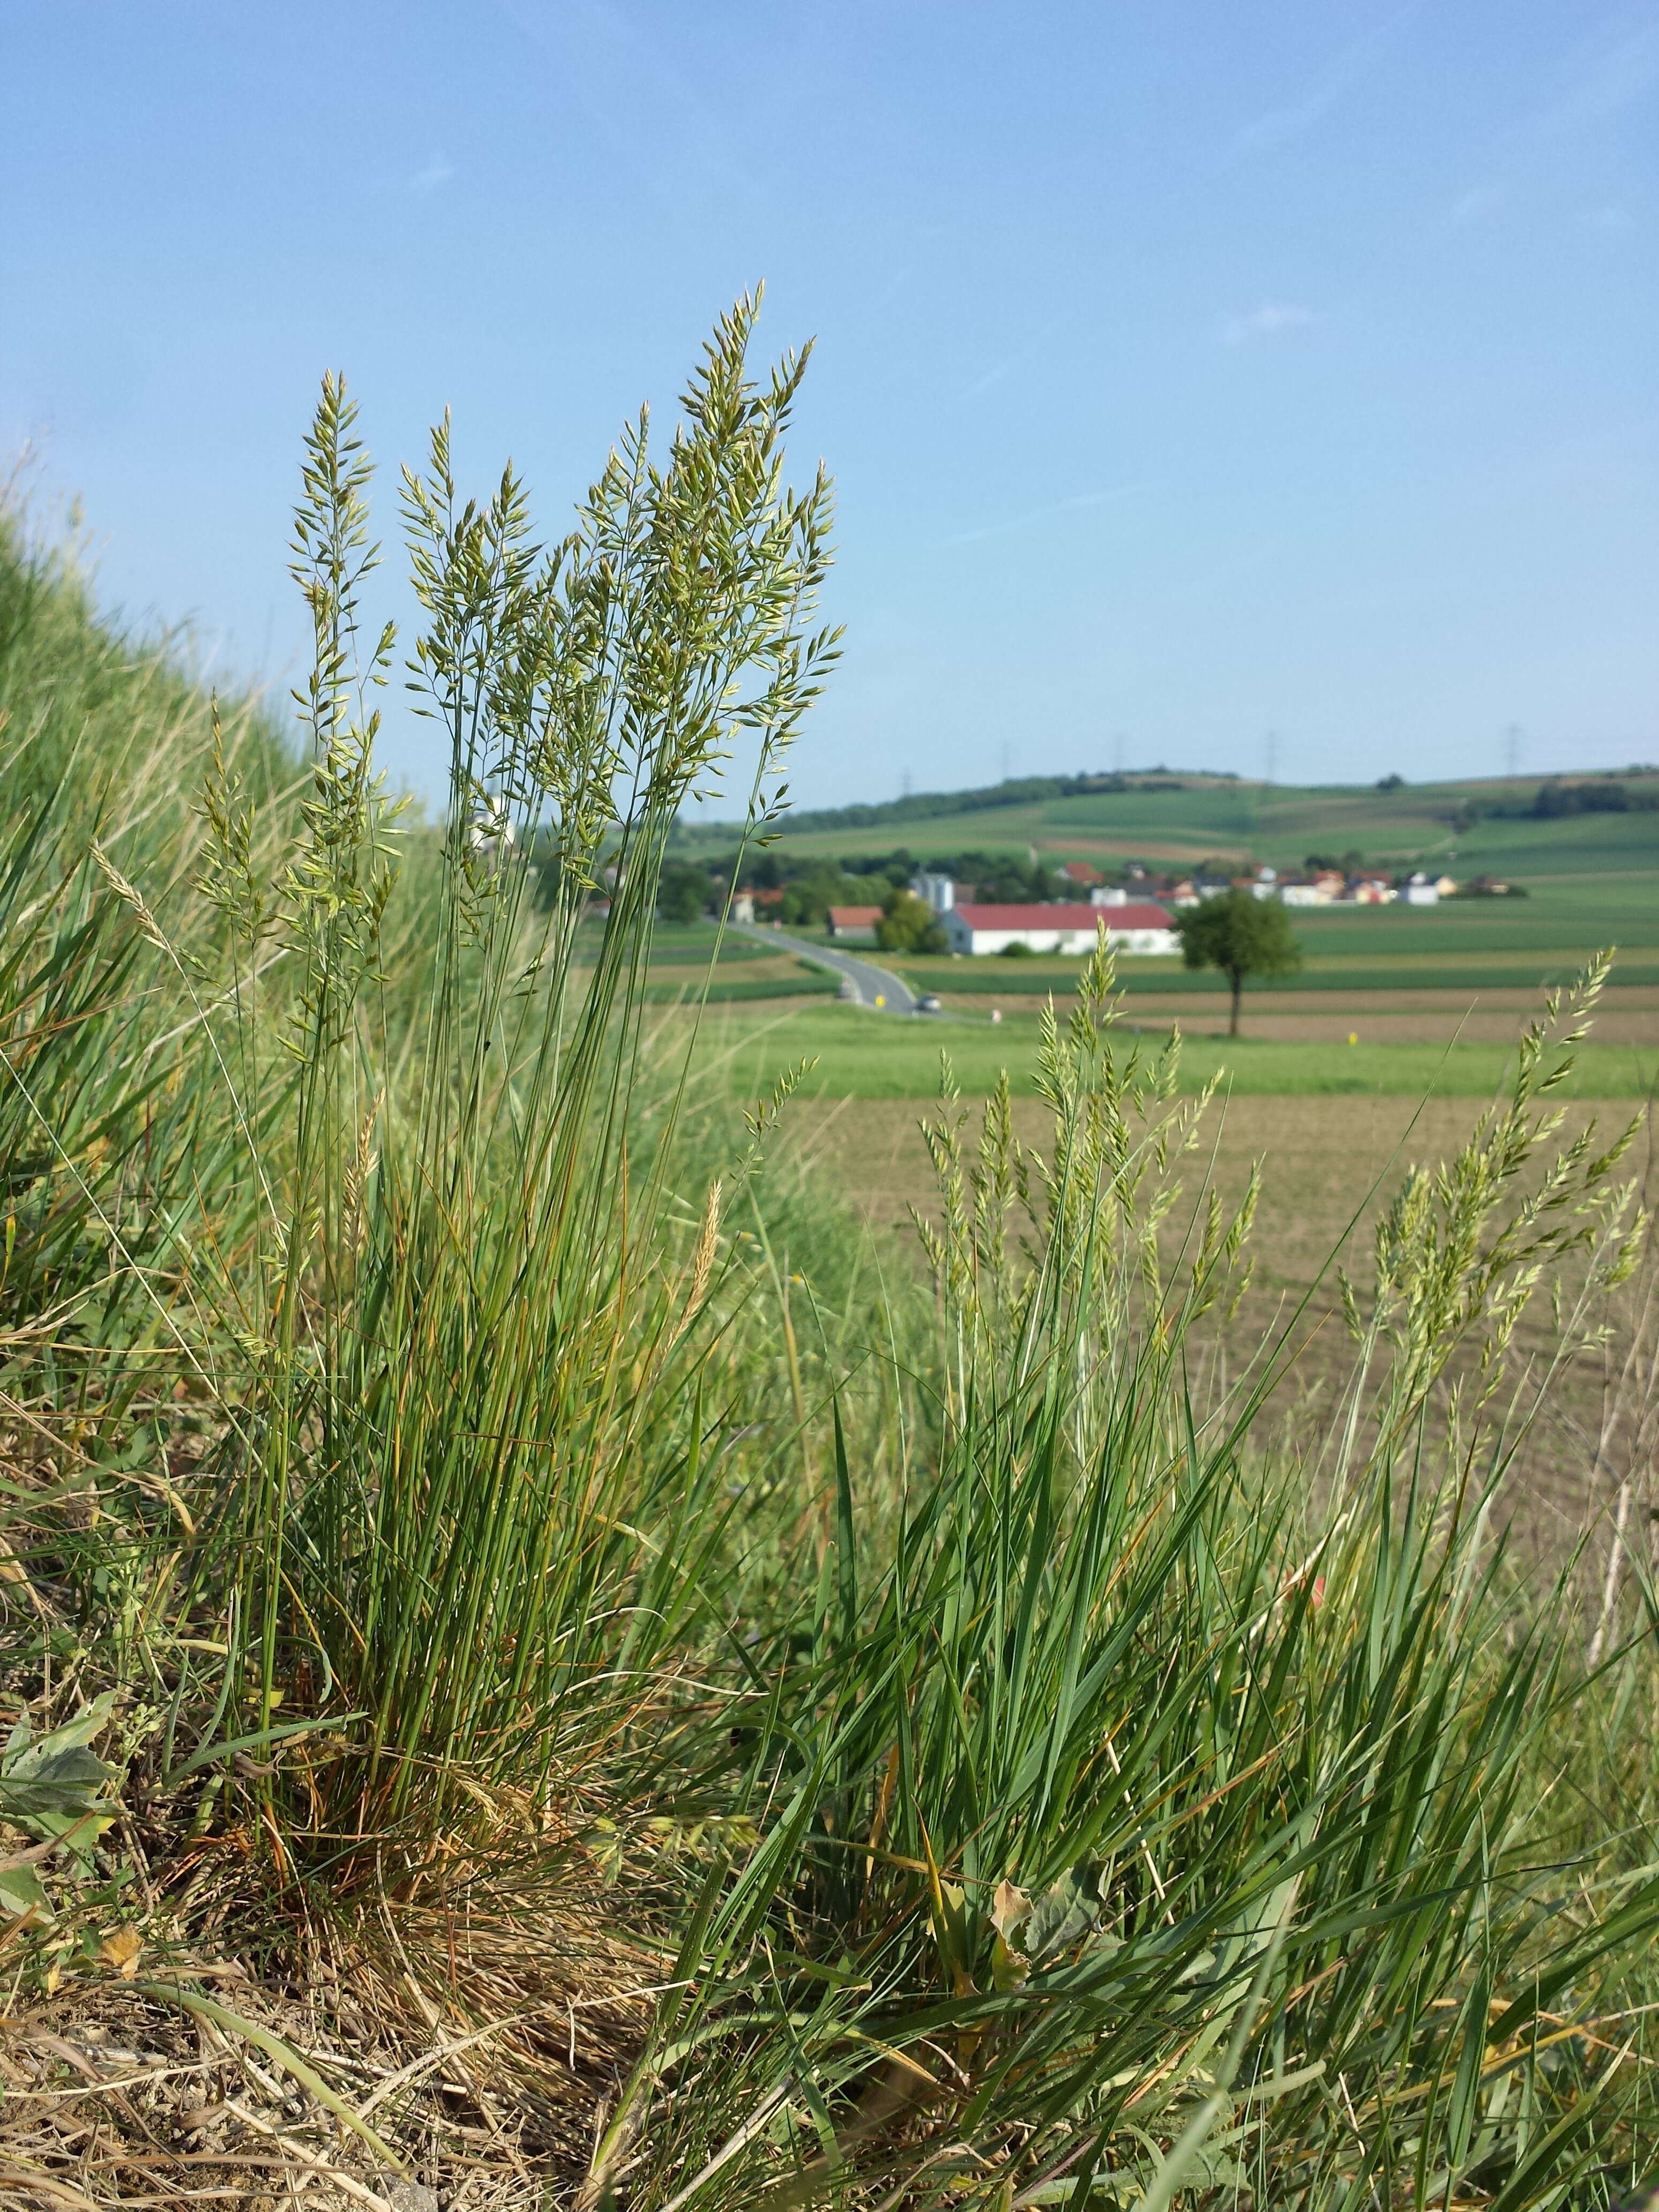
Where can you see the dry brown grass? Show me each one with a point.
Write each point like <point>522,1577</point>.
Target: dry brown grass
<point>454,2056</point>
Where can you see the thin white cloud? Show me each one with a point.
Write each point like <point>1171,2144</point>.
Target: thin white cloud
<point>895,285</point>
<point>1611,217</point>
<point>594,46</point>
<point>1622,72</point>
<point>1272,319</point>
<point>1276,126</point>
<point>1078,503</point>
<point>436,173</point>
<point>1479,202</point>
<point>998,373</point>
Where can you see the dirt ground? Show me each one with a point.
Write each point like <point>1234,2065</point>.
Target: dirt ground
<point>1329,1164</point>
<point>1319,1154</point>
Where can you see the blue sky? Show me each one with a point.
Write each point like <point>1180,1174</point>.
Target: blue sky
<point>1187,371</point>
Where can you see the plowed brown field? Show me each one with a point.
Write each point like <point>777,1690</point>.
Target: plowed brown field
<point>1329,1165</point>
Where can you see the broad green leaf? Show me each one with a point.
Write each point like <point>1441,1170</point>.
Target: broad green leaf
<point>1063,1915</point>
<point>48,1782</point>
<point>21,1893</point>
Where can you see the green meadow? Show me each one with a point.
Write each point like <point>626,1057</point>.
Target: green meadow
<point>856,1053</point>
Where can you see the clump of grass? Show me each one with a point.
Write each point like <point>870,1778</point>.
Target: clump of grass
<point>472,1387</point>
<point>1143,1819</point>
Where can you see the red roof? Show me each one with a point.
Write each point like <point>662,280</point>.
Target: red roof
<point>1064,917</point>
<point>855,917</point>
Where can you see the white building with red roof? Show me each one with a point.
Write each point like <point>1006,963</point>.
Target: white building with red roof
<point>858,922</point>
<point>1142,928</point>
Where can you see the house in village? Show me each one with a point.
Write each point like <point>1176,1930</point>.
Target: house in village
<point>970,927</point>
<point>854,925</point>
<point>1323,888</point>
<point>756,905</point>
<point>1139,928</point>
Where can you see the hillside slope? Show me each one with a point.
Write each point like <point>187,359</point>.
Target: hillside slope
<point>108,728</point>
<point>1474,826</point>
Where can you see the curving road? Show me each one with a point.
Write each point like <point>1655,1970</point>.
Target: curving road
<point>869,983</point>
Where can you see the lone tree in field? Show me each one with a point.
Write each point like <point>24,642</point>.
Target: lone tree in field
<point>1242,935</point>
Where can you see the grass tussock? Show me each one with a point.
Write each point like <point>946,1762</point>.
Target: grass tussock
<point>535,1673</point>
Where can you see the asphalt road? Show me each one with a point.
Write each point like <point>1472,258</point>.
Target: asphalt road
<point>872,986</point>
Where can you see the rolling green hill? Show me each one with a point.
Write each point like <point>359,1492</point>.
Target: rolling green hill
<point>1168,821</point>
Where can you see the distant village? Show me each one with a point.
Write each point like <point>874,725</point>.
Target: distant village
<point>980,901</point>
<point>1137,913</point>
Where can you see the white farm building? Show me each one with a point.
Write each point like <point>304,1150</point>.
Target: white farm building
<point>1134,929</point>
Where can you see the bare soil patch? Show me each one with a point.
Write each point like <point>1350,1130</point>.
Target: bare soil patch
<point>1319,1154</point>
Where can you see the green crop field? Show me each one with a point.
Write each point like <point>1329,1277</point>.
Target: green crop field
<point>683,945</point>
<point>801,980</point>
<point>856,1053</point>
<point>689,945</point>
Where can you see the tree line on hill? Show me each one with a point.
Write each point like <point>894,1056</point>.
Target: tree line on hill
<point>799,889</point>
<point>1013,791</point>
<point>1556,798</point>
<point>1601,794</point>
